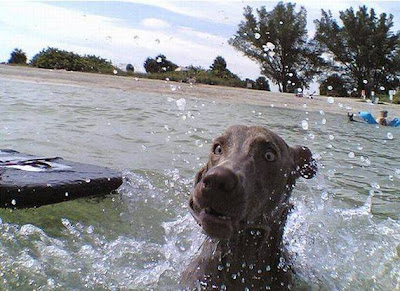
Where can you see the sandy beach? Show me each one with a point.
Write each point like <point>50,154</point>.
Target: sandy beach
<point>183,90</point>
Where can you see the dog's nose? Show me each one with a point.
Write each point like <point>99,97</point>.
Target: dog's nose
<point>220,179</point>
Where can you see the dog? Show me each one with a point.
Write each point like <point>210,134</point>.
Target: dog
<point>241,201</point>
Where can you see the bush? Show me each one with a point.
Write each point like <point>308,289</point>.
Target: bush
<point>53,58</point>
<point>17,57</point>
<point>159,64</point>
<point>396,98</point>
<point>334,85</point>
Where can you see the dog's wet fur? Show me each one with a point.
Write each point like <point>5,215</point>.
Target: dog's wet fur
<point>241,201</point>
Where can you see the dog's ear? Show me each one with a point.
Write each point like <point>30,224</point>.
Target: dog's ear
<point>306,166</point>
<point>200,173</point>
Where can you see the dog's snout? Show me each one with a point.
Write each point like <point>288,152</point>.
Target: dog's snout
<point>220,179</point>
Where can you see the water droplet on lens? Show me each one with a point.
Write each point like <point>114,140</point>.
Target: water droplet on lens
<point>389,135</point>
<point>257,35</point>
<point>330,100</point>
<point>330,88</point>
<point>351,155</point>
<point>304,124</point>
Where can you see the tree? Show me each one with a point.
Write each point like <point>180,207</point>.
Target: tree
<point>159,64</point>
<point>218,68</point>
<point>262,84</point>
<point>364,47</point>
<point>334,85</point>
<point>17,57</point>
<point>130,68</point>
<point>277,40</point>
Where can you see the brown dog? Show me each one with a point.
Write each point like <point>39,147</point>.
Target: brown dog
<point>241,202</point>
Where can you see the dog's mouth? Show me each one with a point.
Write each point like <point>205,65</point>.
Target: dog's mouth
<point>214,223</point>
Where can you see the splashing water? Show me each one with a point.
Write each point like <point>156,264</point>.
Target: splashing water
<point>343,233</point>
<point>330,100</point>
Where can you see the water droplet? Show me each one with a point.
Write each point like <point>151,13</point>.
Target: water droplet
<point>181,103</point>
<point>323,121</point>
<point>144,147</point>
<point>304,124</point>
<point>304,105</point>
<point>13,202</point>
<point>268,268</point>
<point>290,74</point>
<point>330,88</point>
<point>257,35</point>
<point>321,112</point>
<point>87,180</point>
<point>234,276</point>
<point>365,81</point>
<point>389,135</point>
<point>331,137</point>
<point>115,72</point>
<point>311,136</point>
<point>375,185</point>
<point>391,178</point>
<point>330,100</point>
<point>271,54</point>
<point>66,194</point>
<point>281,22</point>
<point>90,229</point>
<point>159,60</point>
<point>351,155</point>
<point>324,195</point>
<point>220,267</point>
<point>382,88</point>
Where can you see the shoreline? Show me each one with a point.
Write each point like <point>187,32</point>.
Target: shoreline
<point>201,91</point>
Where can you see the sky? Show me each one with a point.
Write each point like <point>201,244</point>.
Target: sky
<point>186,32</point>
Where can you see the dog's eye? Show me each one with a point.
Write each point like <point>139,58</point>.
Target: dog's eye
<point>269,156</point>
<point>217,149</point>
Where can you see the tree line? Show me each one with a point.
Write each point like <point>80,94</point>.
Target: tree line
<point>156,68</point>
<point>360,54</point>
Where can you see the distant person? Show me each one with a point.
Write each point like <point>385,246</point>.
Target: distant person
<point>382,119</point>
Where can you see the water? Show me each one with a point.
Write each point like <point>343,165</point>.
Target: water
<point>344,233</point>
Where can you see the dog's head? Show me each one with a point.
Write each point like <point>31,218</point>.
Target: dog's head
<point>250,173</point>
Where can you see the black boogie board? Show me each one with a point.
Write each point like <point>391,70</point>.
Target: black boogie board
<point>30,181</point>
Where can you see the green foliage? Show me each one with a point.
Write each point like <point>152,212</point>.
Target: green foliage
<point>363,47</point>
<point>261,83</point>
<point>200,76</point>
<point>159,64</point>
<point>17,57</point>
<point>334,85</point>
<point>53,58</point>
<point>277,40</point>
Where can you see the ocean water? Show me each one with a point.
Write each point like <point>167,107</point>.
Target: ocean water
<point>343,234</point>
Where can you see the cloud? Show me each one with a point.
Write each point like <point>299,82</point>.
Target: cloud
<point>155,23</point>
<point>39,25</point>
